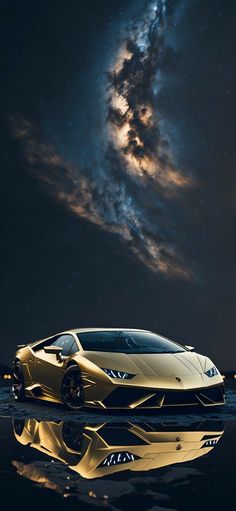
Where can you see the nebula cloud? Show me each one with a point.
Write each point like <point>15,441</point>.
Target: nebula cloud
<point>130,191</point>
<point>133,121</point>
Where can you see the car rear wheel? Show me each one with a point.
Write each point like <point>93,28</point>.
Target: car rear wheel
<point>18,426</point>
<point>72,388</point>
<point>18,382</point>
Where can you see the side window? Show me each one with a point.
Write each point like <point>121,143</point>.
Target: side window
<point>67,343</point>
<point>74,348</point>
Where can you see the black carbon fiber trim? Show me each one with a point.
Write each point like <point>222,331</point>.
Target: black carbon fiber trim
<point>211,395</point>
<point>122,397</point>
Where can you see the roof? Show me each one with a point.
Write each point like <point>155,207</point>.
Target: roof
<point>80,330</point>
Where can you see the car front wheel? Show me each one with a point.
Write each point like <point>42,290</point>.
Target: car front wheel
<point>72,388</point>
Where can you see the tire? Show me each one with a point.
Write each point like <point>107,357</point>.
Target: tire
<point>18,426</point>
<point>18,382</point>
<point>72,434</point>
<point>72,389</point>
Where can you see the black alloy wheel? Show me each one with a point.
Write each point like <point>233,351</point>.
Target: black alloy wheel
<point>72,434</point>
<point>72,389</point>
<point>18,426</point>
<point>18,383</point>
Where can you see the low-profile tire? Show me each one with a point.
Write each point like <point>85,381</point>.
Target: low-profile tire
<point>72,434</point>
<point>18,382</point>
<point>72,389</point>
<point>18,426</point>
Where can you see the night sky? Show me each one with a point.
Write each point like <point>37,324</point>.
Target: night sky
<point>118,183</point>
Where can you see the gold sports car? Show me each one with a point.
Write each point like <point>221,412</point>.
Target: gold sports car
<point>115,369</point>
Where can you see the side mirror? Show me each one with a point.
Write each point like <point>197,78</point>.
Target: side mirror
<point>56,350</point>
<point>189,348</point>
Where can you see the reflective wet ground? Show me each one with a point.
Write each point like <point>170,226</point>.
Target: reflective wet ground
<point>154,462</point>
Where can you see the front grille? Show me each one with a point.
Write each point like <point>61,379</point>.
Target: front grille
<point>125,396</point>
<point>122,397</point>
<point>120,436</point>
<point>184,397</point>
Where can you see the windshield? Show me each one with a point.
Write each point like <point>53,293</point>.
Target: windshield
<point>127,342</point>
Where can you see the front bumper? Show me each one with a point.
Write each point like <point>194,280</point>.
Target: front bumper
<point>148,398</point>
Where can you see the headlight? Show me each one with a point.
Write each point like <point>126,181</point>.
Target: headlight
<point>212,372</point>
<point>118,457</point>
<point>209,443</point>
<point>118,374</point>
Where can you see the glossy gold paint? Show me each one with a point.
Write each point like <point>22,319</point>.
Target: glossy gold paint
<point>178,372</point>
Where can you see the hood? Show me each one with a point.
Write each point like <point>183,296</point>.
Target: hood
<point>162,364</point>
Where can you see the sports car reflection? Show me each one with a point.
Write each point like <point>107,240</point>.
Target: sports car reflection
<point>98,450</point>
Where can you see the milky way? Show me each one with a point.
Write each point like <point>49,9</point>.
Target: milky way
<point>134,123</point>
<point>131,189</point>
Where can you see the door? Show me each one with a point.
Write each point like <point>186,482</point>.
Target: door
<point>50,366</point>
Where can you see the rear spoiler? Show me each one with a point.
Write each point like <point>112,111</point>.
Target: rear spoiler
<point>21,345</point>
